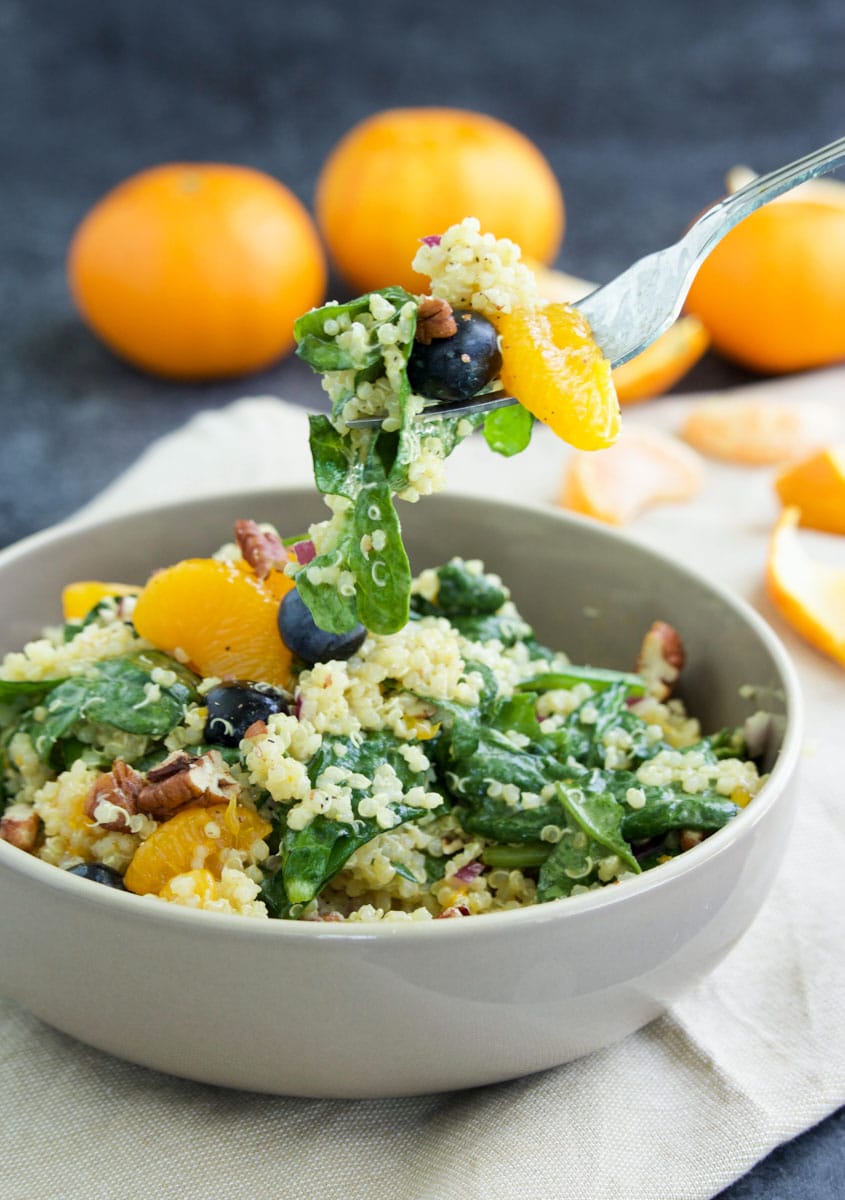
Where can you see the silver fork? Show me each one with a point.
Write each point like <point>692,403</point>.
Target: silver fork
<point>627,314</point>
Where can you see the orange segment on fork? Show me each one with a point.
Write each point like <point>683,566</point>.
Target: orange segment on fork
<point>551,363</point>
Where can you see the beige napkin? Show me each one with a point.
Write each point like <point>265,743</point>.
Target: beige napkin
<point>752,1056</point>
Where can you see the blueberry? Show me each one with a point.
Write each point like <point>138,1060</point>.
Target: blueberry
<point>233,707</point>
<point>456,367</point>
<point>305,638</point>
<point>100,873</point>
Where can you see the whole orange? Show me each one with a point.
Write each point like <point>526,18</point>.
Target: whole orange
<point>772,293</point>
<point>407,173</point>
<point>197,270</point>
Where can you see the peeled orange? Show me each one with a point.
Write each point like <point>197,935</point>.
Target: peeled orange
<point>194,839</point>
<point>405,173</point>
<point>79,598</point>
<point>218,618</point>
<point>756,432</point>
<point>552,365</point>
<point>644,468</point>
<point>197,270</point>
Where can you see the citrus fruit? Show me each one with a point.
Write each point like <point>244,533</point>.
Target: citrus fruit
<point>644,468</point>
<point>552,365</point>
<point>756,432</point>
<point>660,365</point>
<point>771,293</point>
<point>406,173</point>
<point>809,594</point>
<point>192,840</point>
<point>79,598</point>
<point>218,618</point>
<point>197,270</point>
<point>816,486</point>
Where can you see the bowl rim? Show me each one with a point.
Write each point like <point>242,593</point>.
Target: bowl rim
<point>571,907</point>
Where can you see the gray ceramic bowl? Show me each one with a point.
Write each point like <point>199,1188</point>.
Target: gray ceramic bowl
<point>324,1010</point>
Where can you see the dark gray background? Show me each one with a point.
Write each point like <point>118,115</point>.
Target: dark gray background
<point>639,107</point>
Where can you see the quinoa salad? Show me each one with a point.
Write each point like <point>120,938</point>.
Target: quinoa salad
<point>455,767</point>
<point>297,728</point>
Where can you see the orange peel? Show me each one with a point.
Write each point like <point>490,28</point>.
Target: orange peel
<point>810,595</point>
<point>816,485</point>
<point>644,468</point>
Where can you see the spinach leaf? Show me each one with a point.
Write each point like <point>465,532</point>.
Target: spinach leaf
<point>116,693</point>
<point>508,430</point>
<point>13,689</point>
<point>330,456</point>
<point>517,712</point>
<point>594,809</point>
<point>505,629</point>
<point>321,351</point>
<point>522,857</point>
<point>498,821</point>
<point>382,577</point>
<point>313,855</point>
<point>670,808</point>
<point>573,861</point>
<point>598,678</point>
<point>462,592</point>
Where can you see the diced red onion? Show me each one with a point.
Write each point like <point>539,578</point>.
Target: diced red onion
<point>304,551</point>
<point>468,872</point>
<point>433,239</point>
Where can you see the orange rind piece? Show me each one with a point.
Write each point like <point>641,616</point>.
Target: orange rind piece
<point>79,598</point>
<point>756,432</point>
<point>551,363</point>
<point>195,839</point>
<point>816,486</point>
<point>810,595</point>
<point>644,468</point>
<point>218,618</point>
<point>660,366</point>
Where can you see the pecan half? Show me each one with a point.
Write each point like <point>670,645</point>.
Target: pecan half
<point>263,551</point>
<point>19,826</point>
<point>435,319</point>
<point>119,788</point>
<point>181,781</point>
<point>661,659</point>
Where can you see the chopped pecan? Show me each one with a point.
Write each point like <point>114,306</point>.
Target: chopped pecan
<point>435,319</point>
<point>181,781</point>
<point>256,729</point>
<point>263,551</point>
<point>661,659</point>
<point>117,790</point>
<point>19,826</point>
<point>689,838</point>
<point>454,910</point>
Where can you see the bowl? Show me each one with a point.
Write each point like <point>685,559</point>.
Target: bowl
<point>378,1010</point>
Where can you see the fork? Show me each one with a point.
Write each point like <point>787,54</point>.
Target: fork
<point>631,311</point>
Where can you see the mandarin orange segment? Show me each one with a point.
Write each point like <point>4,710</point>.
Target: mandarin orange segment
<point>218,618</point>
<point>79,598</point>
<point>552,365</point>
<point>816,486</point>
<point>644,468</point>
<point>195,839</point>
<point>756,432</point>
<point>809,594</point>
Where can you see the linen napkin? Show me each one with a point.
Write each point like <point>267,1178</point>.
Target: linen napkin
<point>752,1056</point>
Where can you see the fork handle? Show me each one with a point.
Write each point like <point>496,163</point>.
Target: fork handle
<point>712,226</point>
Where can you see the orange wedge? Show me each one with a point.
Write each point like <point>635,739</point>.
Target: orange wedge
<point>79,598</point>
<point>660,365</point>
<point>550,361</point>
<point>756,432</point>
<point>218,618</point>
<point>816,485</point>
<point>809,594</point>
<point>194,839</point>
<point>643,469</point>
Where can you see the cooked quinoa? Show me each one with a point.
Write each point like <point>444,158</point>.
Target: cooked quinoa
<point>455,767</point>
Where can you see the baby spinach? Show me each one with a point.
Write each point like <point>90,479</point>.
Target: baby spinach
<point>320,349</point>
<point>30,689</point>
<point>671,808</point>
<point>599,679</point>
<point>116,692</point>
<point>310,857</point>
<point>461,592</point>
<point>508,430</point>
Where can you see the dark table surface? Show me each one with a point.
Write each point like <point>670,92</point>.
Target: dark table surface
<point>639,108</point>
